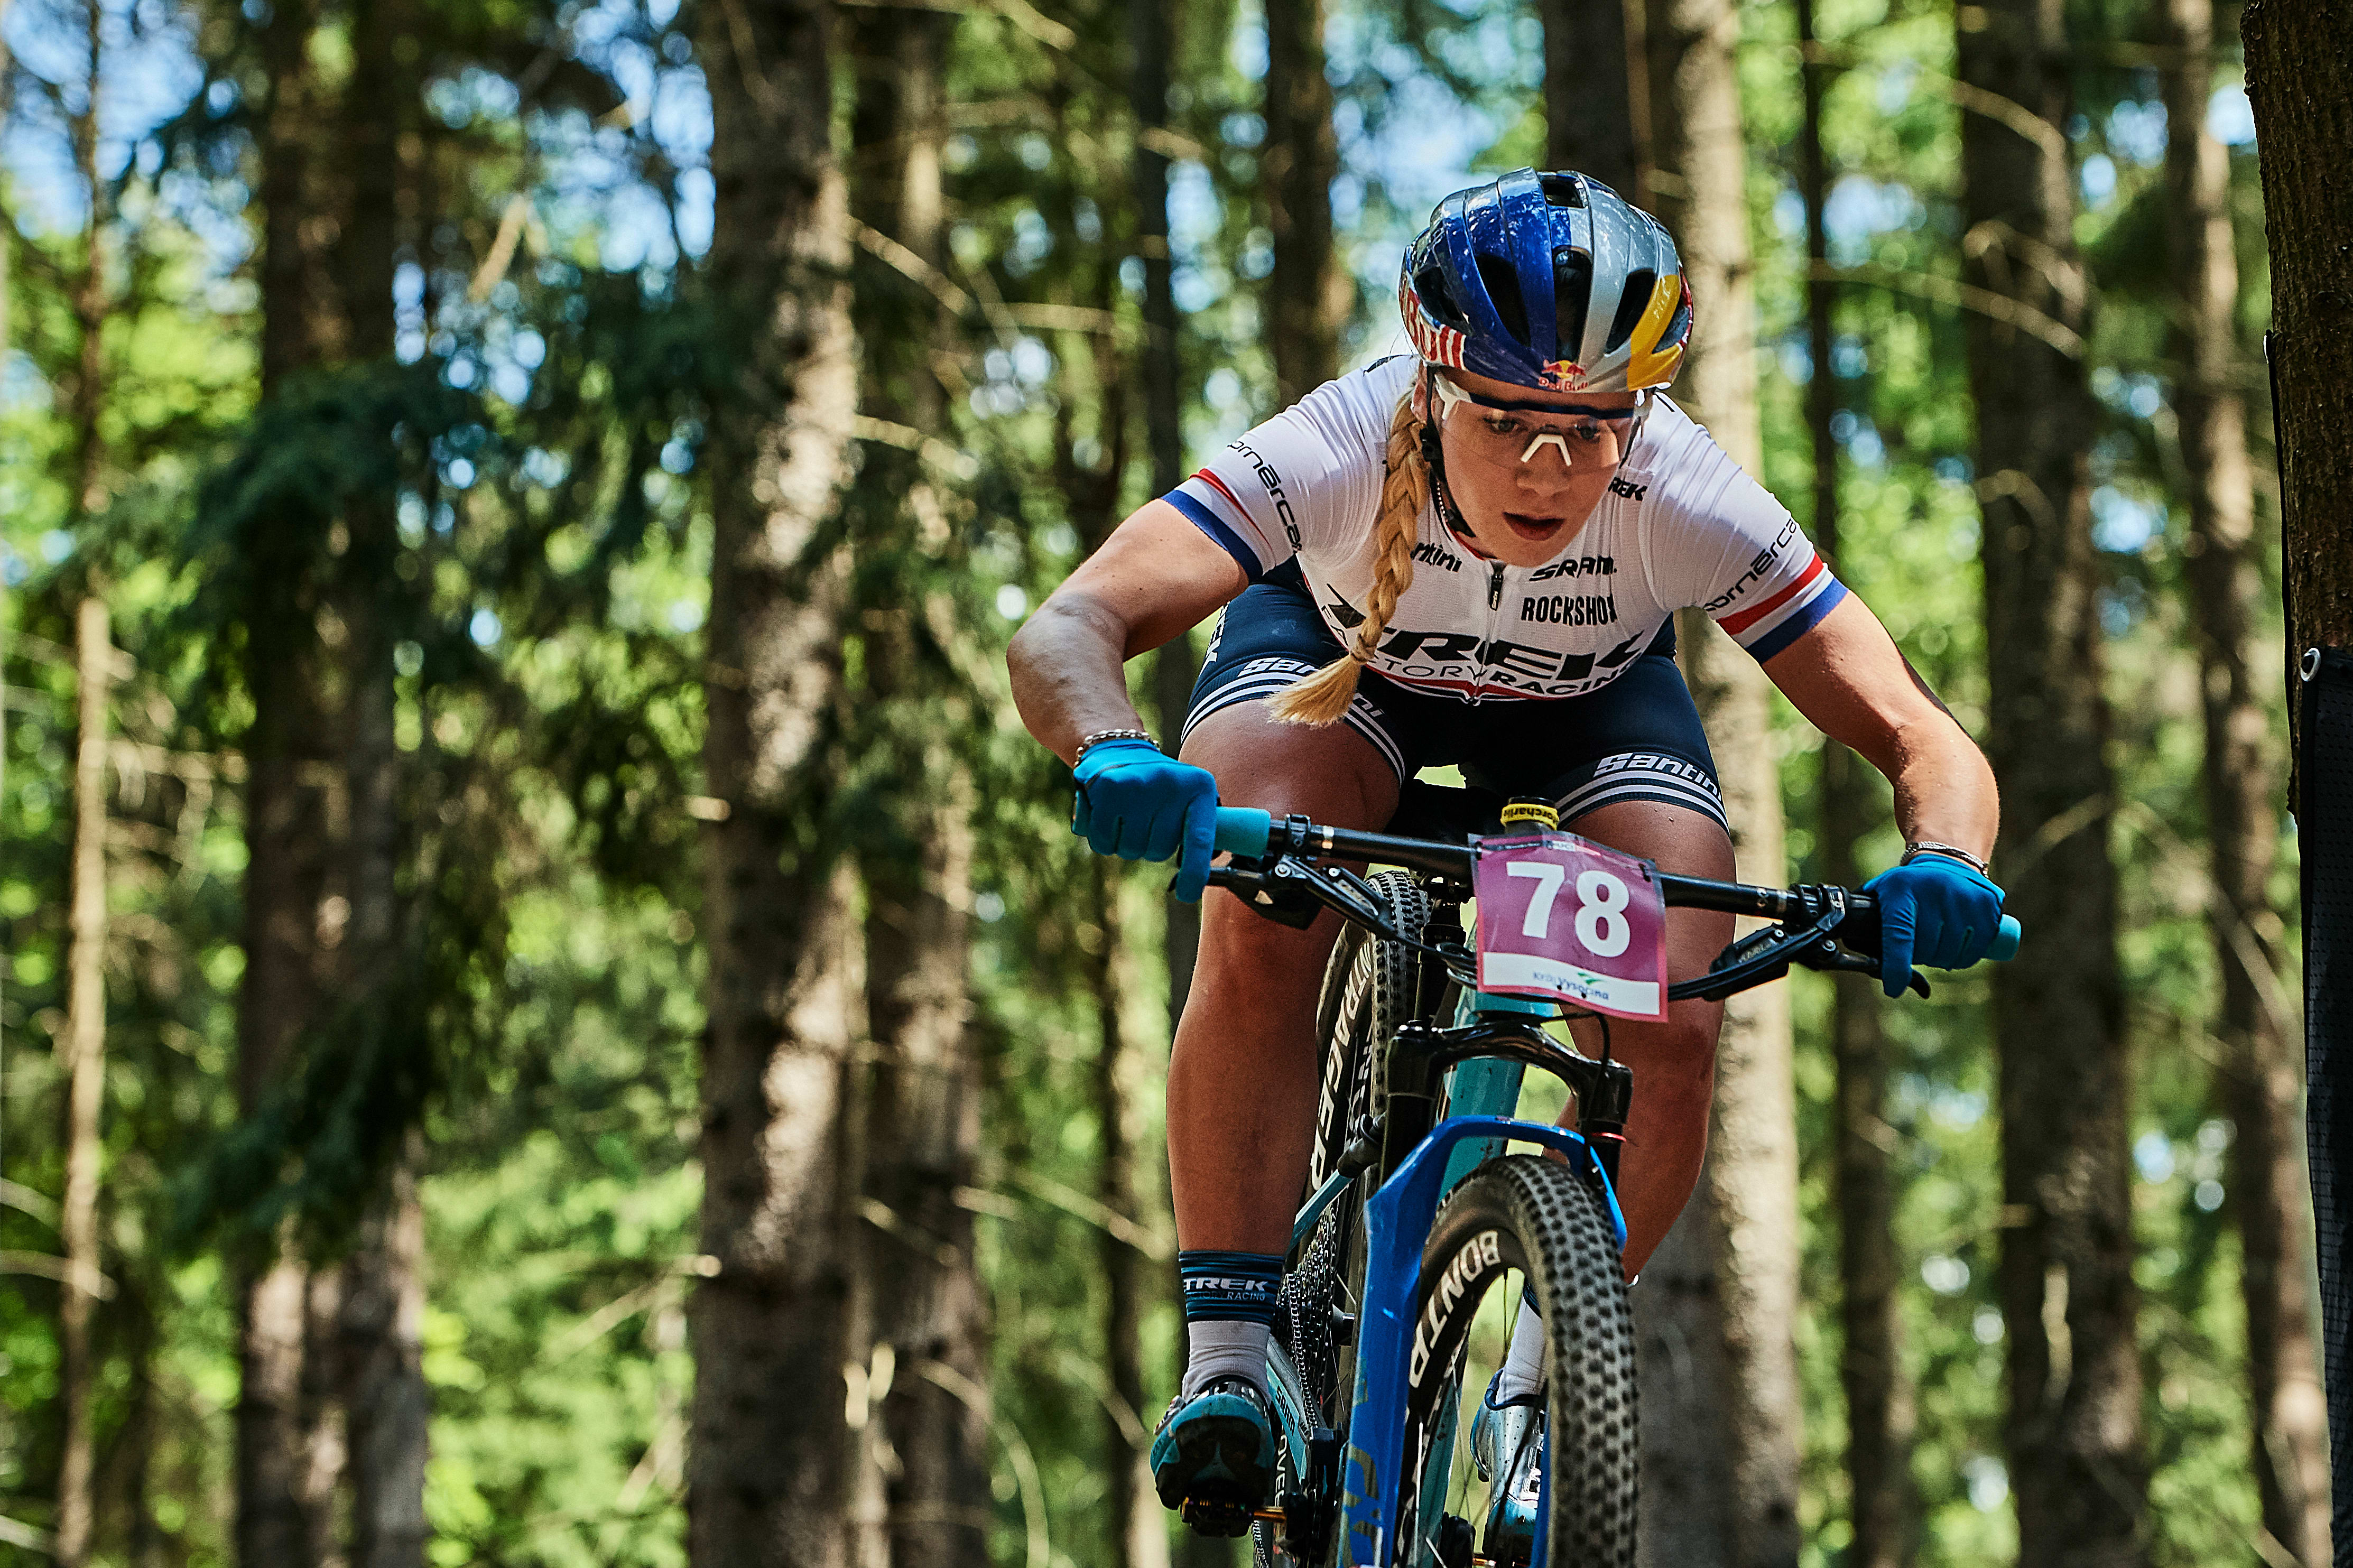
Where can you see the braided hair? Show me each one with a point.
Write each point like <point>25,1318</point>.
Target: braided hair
<point>1324,697</point>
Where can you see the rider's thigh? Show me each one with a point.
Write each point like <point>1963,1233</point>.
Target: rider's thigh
<point>1330,774</point>
<point>1326,772</point>
<point>1687,843</point>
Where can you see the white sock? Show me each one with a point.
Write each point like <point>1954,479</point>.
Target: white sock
<point>1522,1372</point>
<point>1224,1347</point>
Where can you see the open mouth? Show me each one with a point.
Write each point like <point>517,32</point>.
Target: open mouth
<point>1528,526</point>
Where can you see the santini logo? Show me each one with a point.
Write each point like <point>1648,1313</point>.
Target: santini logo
<point>1428,554</point>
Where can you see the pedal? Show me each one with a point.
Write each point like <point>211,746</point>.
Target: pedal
<point>1222,1516</point>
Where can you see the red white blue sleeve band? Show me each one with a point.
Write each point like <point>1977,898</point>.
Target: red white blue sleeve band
<point>1215,508</point>
<point>1787,612</point>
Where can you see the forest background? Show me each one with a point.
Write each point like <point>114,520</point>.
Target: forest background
<point>510,515</point>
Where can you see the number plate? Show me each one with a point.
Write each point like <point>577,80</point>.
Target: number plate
<point>1562,917</point>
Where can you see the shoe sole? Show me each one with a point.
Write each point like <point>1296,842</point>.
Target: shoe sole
<point>1219,1473</point>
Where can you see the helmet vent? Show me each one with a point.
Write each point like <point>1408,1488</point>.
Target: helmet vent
<point>1561,190</point>
<point>1631,303</point>
<point>1503,288</point>
<point>1436,297</point>
<point>1572,290</point>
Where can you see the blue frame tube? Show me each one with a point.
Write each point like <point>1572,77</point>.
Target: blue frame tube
<point>1396,1222</point>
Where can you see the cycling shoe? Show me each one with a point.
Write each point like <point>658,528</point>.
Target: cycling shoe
<point>1213,1460</point>
<point>1507,1448</point>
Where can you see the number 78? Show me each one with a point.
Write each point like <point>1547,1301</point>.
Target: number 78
<point>1601,929</point>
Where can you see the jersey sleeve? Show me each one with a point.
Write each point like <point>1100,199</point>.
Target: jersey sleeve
<point>1295,482</point>
<point>1718,540</point>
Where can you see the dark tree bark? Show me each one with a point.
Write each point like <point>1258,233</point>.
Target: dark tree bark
<point>1150,43</point>
<point>2300,80</point>
<point>1589,91</point>
<point>1733,1276</point>
<point>2261,1077</point>
<point>928,1304</point>
<point>1140,1535</point>
<point>2077,1467</point>
<point>379,1358</point>
<point>286,821</point>
<point>767,1482</point>
<point>1883,1509</point>
<point>1307,293</point>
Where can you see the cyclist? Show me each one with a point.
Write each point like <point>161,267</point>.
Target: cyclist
<point>1471,554</point>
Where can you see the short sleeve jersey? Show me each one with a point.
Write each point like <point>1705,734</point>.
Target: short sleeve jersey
<point>1680,525</point>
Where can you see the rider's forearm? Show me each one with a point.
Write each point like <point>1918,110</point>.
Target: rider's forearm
<point>1943,789</point>
<point>1068,681</point>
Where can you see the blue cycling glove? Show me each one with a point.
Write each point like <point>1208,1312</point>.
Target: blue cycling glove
<point>1140,804</point>
<point>1937,913</point>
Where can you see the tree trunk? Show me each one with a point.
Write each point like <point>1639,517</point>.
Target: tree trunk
<point>285,828</point>
<point>929,1308</point>
<point>767,1479</point>
<point>1885,1506</point>
<point>1160,373</point>
<point>1590,91</point>
<point>388,1406</point>
<point>1139,1527</point>
<point>2076,1462</point>
<point>1307,293</point>
<point>84,1049</point>
<point>2300,81</point>
<point>1747,1205</point>
<point>2261,1080</point>
<point>379,1359</point>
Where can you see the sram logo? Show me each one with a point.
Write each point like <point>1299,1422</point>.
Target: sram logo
<point>1472,1259</point>
<point>1576,566</point>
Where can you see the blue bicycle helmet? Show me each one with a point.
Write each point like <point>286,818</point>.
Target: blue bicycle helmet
<point>1547,280</point>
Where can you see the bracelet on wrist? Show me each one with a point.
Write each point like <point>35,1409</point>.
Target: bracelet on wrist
<point>1100,735</point>
<point>1919,847</point>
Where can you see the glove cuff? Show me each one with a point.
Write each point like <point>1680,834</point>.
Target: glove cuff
<point>1109,751</point>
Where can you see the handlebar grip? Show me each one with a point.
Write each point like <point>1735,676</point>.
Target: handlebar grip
<point>2005,940</point>
<point>1243,831</point>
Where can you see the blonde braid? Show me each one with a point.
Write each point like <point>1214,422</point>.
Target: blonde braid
<point>1325,696</point>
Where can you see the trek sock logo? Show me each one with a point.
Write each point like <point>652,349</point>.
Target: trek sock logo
<point>1230,1284</point>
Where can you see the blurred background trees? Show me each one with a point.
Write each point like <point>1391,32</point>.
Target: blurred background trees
<point>544,995</point>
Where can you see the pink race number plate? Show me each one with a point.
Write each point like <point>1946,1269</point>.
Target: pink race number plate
<point>1565,918</point>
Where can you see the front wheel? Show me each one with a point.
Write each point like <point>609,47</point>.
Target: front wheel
<point>1552,1224</point>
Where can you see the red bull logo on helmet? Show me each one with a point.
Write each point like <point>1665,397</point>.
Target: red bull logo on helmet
<point>1563,375</point>
<point>1438,345</point>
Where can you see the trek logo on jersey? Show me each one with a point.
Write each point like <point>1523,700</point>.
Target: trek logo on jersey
<point>1756,568</point>
<point>1430,553</point>
<point>1570,609</point>
<point>1454,657</point>
<point>1627,487</point>
<point>1577,566</point>
<point>1272,484</point>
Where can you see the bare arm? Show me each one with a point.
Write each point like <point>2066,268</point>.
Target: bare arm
<point>1847,677</point>
<point>1156,576</point>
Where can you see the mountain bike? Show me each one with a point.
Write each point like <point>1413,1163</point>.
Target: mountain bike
<point>1414,1210</point>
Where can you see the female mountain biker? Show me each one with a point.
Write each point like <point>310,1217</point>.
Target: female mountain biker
<point>1471,554</point>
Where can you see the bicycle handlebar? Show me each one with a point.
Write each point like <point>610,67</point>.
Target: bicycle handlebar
<point>1250,834</point>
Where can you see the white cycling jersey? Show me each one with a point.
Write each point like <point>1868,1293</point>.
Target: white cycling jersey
<point>1681,525</point>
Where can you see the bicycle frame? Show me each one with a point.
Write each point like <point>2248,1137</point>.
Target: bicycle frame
<point>1479,1063</point>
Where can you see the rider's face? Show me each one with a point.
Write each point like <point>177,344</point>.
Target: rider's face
<point>1526,479</point>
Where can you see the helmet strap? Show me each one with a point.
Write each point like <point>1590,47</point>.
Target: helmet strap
<point>1433,456</point>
